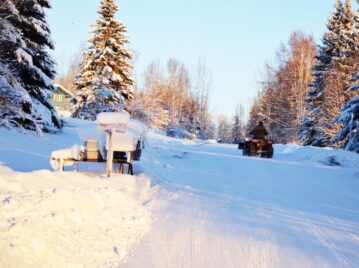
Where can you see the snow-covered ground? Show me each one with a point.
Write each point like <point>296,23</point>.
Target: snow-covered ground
<point>190,205</point>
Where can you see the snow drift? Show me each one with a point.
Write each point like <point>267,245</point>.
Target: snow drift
<point>65,219</point>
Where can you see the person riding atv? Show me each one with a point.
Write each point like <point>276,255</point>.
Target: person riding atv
<point>258,145</point>
<point>259,132</point>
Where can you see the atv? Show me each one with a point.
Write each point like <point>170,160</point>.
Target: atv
<point>254,147</point>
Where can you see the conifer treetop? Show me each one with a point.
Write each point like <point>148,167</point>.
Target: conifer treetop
<point>105,82</point>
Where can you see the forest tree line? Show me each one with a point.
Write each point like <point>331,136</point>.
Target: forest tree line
<point>310,96</point>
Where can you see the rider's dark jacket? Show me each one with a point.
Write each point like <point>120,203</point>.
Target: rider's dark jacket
<point>259,132</point>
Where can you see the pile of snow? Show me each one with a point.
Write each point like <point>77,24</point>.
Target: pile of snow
<point>58,158</point>
<point>138,126</point>
<point>212,141</point>
<point>124,142</point>
<point>328,156</point>
<point>63,113</point>
<point>67,219</point>
<point>73,152</point>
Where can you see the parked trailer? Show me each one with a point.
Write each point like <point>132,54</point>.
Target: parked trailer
<point>121,143</point>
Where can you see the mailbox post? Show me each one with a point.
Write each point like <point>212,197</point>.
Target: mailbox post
<point>111,123</point>
<point>109,154</point>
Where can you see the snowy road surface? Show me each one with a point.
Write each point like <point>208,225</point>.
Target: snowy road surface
<point>225,210</point>
<point>197,205</point>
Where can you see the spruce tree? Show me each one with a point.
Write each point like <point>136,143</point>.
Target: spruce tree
<point>27,69</point>
<point>338,77</point>
<point>346,60</point>
<point>39,70</point>
<point>105,83</point>
<point>12,96</point>
<point>310,133</point>
<point>349,118</point>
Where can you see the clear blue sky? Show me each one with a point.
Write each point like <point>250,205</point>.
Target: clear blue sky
<point>235,37</point>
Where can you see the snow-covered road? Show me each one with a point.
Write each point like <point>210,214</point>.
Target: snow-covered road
<point>220,209</point>
<point>196,205</point>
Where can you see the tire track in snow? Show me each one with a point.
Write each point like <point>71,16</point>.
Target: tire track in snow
<point>330,246</point>
<point>339,226</point>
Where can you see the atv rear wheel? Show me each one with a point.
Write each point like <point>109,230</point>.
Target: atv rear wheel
<point>246,149</point>
<point>270,151</point>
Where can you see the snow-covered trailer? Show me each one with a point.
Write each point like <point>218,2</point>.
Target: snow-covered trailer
<point>122,144</point>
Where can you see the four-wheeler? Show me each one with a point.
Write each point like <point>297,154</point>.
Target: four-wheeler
<point>254,147</point>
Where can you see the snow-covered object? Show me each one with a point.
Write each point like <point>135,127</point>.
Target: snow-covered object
<point>124,142</point>
<point>139,126</point>
<point>73,152</point>
<point>113,118</point>
<point>58,158</point>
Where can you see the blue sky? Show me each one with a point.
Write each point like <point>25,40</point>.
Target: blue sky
<point>234,37</point>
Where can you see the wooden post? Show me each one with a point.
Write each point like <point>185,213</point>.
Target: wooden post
<point>76,168</point>
<point>130,169</point>
<point>130,161</point>
<point>109,154</point>
<point>121,168</point>
<point>61,164</point>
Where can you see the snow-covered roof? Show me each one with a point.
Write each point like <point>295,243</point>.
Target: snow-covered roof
<point>64,89</point>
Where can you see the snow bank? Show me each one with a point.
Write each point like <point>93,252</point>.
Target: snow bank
<point>328,156</point>
<point>70,219</point>
<point>210,141</point>
<point>63,113</point>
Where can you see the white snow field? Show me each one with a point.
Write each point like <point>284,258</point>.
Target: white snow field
<point>191,204</point>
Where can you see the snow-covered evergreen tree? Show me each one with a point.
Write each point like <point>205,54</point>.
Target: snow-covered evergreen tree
<point>309,133</point>
<point>27,69</point>
<point>12,96</point>
<point>15,102</point>
<point>339,77</point>
<point>105,82</point>
<point>39,69</point>
<point>349,118</point>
